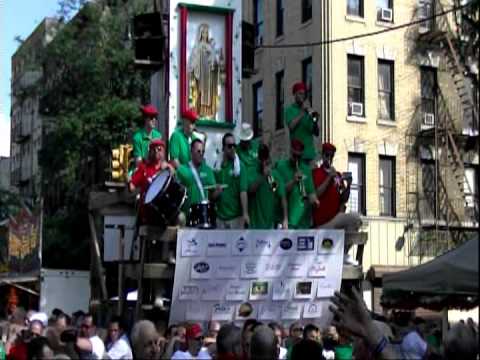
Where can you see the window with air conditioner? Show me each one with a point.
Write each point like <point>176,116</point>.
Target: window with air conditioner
<point>385,10</point>
<point>356,85</point>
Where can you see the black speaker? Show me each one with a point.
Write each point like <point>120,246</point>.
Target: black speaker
<point>148,39</point>
<point>248,49</point>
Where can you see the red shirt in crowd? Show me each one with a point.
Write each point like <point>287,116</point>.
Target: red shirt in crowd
<point>142,177</point>
<point>329,201</point>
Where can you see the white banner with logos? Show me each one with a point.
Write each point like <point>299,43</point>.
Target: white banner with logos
<point>234,275</point>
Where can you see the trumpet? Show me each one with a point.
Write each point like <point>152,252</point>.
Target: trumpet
<point>272,183</point>
<point>313,114</point>
<point>301,183</point>
<point>202,135</point>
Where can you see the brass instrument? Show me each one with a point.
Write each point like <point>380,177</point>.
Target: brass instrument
<point>272,183</point>
<point>301,183</point>
<point>202,135</point>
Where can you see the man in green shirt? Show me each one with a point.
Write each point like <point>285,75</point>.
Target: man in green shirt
<point>300,192</point>
<point>196,192</point>
<point>142,137</point>
<point>247,149</point>
<point>301,122</point>
<point>265,190</point>
<point>181,138</point>
<point>232,210</point>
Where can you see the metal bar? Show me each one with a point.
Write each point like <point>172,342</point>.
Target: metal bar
<point>97,257</point>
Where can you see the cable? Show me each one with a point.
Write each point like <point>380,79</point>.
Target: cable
<point>445,12</point>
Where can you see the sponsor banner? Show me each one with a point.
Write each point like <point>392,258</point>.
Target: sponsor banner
<point>267,275</point>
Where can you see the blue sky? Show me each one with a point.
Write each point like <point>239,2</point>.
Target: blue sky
<point>17,17</point>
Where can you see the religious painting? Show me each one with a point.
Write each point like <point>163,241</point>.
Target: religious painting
<point>206,62</point>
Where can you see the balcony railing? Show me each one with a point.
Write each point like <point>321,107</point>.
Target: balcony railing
<point>466,209</point>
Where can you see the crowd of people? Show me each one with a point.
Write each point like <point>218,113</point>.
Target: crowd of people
<point>354,333</point>
<point>244,187</point>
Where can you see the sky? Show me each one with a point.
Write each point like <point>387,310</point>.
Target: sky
<point>17,17</point>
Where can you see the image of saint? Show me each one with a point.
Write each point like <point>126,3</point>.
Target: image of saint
<point>206,69</point>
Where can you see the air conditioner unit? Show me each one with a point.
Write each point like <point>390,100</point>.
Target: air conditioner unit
<point>356,109</point>
<point>429,119</point>
<point>386,15</point>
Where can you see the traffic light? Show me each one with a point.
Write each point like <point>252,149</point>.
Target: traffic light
<point>120,163</point>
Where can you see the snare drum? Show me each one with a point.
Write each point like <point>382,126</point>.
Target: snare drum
<point>202,215</point>
<point>163,199</point>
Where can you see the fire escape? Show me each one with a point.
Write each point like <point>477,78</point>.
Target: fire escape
<point>442,201</point>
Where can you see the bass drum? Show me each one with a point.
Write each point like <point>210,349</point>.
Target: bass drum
<point>202,216</point>
<point>163,199</point>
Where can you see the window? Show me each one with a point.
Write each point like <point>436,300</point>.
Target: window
<point>257,108</point>
<point>356,94</point>
<point>258,19</point>
<point>280,12</point>
<point>385,10</point>
<point>306,10</point>
<point>387,186</point>
<point>429,199</point>
<point>307,77</point>
<point>279,99</point>
<point>355,7</point>
<point>356,165</point>
<point>428,89</point>
<point>386,102</point>
<point>470,190</point>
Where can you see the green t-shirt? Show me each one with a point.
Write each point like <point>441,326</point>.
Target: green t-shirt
<point>303,131</point>
<point>179,146</point>
<point>344,352</point>
<point>262,204</point>
<point>248,157</point>
<point>299,211</point>
<point>228,205</point>
<point>141,141</point>
<point>185,176</point>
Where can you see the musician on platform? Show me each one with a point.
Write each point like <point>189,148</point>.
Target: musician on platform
<point>247,148</point>
<point>232,211</point>
<point>302,121</point>
<point>196,175</point>
<point>182,138</point>
<point>333,190</point>
<point>297,177</point>
<point>147,169</point>
<point>143,137</point>
<point>266,194</point>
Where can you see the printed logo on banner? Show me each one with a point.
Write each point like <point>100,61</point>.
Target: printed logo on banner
<point>226,268</point>
<point>250,268</point>
<point>223,312</point>
<point>282,290</point>
<point>246,310</point>
<point>196,312</point>
<point>325,288</point>
<point>304,289</point>
<point>212,291</point>
<point>329,240</point>
<point>237,291</point>
<point>291,311</point>
<point>295,267</point>
<point>270,311</point>
<point>272,266</point>
<point>305,243</point>
<point>201,269</point>
<point>318,268</point>
<point>189,292</point>
<point>193,244</point>
<point>286,244</point>
<point>218,246</point>
<point>263,246</point>
<point>241,246</point>
<point>259,290</point>
<point>312,310</point>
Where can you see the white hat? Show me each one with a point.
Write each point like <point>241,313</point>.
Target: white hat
<point>246,132</point>
<point>39,316</point>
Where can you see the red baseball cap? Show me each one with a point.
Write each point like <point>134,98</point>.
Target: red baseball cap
<point>328,147</point>
<point>149,110</point>
<point>190,114</point>
<point>157,142</point>
<point>297,145</point>
<point>194,331</point>
<point>299,86</point>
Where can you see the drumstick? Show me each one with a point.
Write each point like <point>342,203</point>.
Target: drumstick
<point>211,187</point>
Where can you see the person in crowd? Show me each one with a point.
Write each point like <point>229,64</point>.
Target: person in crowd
<point>264,344</point>
<point>300,122</point>
<point>229,343</point>
<point>39,349</point>
<point>461,343</point>
<point>61,322</point>
<point>195,350</point>
<point>344,348</point>
<point>182,138</point>
<point>295,333</point>
<point>278,331</point>
<point>307,349</point>
<point>297,177</point>
<point>213,327</point>
<point>247,148</point>
<point>249,327</point>
<point>230,209</point>
<point>333,191</point>
<point>176,341</point>
<point>198,178</point>
<point>264,188</point>
<point>88,342</point>
<point>145,343</point>
<point>77,318</point>
<point>312,332</point>
<point>36,328</point>
<point>143,137</point>
<point>329,341</point>
<point>118,346</point>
